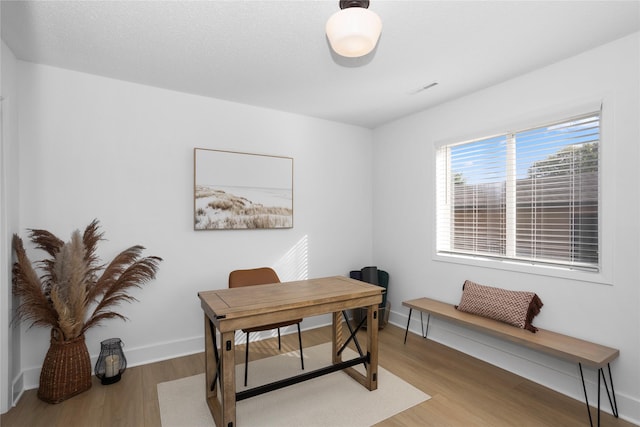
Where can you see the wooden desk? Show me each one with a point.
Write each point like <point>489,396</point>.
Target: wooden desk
<point>228,310</point>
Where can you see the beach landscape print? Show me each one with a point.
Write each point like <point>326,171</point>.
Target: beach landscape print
<point>242,191</point>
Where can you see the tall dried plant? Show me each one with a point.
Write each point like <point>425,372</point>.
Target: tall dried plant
<point>74,283</point>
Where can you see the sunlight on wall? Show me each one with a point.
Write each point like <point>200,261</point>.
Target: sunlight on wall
<point>294,265</point>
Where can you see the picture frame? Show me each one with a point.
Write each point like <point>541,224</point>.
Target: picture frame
<point>239,191</point>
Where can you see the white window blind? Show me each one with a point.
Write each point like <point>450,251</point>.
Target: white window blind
<point>529,195</point>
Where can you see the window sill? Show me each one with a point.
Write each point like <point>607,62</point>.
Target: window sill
<point>521,267</point>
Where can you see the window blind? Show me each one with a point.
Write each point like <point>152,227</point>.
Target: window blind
<point>529,195</point>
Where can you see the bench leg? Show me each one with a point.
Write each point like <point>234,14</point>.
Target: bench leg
<point>407,330</point>
<point>424,333</point>
<point>612,402</point>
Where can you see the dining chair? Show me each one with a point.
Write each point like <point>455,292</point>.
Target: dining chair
<point>261,276</point>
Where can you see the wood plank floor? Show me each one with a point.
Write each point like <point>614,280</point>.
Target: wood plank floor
<point>464,390</point>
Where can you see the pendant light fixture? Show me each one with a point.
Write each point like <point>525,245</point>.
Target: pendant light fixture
<point>354,30</point>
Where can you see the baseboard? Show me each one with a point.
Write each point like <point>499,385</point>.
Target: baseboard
<point>168,350</point>
<point>17,389</point>
<point>171,349</point>
<point>556,374</point>
<point>135,356</point>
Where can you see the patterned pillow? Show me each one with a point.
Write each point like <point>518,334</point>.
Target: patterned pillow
<point>516,308</point>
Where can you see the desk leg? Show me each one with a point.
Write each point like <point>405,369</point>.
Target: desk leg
<point>210,359</point>
<point>221,405</point>
<point>370,378</point>
<point>211,366</point>
<point>228,383</point>
<point>336,337</point>
<point>372,347</point>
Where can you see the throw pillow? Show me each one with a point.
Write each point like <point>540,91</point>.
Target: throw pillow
<point>517,308</point>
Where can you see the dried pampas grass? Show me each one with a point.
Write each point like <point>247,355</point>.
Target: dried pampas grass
<point>71,286</point>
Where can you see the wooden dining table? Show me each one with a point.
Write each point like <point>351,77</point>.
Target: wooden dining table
<point>228,310</point>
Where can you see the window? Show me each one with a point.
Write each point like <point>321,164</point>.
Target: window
<point>528,196</point>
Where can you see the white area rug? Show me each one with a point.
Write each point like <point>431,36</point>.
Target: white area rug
<point>331,400</point>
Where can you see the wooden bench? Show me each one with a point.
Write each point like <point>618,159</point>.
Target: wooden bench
<point>559,345</point>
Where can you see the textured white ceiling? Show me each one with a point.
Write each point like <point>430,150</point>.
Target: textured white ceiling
<point>275,54</point>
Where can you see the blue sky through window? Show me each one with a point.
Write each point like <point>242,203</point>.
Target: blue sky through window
<point>484,161</point>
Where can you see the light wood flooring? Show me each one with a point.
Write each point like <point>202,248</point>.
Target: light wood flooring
<point>464,391</point>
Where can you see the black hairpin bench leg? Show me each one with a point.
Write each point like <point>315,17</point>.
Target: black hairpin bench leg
<point>408,321</point>
<point>611,396</point>
<point>614,404</point>
<point>426,331</point>
<point>424,334</point>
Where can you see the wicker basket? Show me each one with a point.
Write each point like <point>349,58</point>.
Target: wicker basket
<point>66,370</point>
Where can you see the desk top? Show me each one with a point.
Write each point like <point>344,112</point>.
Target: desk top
<point>288,299</point>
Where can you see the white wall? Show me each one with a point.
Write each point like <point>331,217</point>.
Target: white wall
<point>92,147</point>
<point>9,341</point>
<point>404,217</point>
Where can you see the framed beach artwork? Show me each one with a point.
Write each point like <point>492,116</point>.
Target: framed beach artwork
<point>241,190</point>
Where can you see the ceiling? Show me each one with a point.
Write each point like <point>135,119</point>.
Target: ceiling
<point>275,54</point>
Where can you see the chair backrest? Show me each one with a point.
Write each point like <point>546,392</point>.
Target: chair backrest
<point>253,276</point>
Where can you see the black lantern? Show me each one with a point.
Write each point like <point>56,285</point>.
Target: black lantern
<point>111,362</point>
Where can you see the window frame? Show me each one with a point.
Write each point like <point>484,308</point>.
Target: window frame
<point>605,241</point>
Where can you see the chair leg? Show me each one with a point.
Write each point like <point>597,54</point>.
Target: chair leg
<point>246,360</point>
<point>300,342</point>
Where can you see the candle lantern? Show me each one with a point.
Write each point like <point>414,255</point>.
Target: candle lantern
<point>111,362</point>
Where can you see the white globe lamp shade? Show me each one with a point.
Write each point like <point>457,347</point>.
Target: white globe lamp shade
<point>354,31</point>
